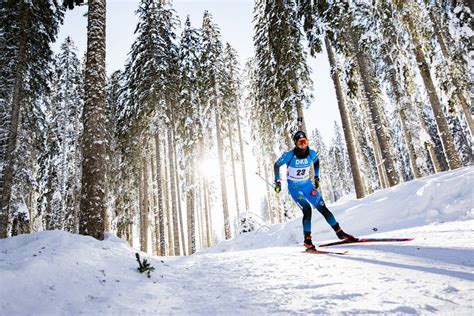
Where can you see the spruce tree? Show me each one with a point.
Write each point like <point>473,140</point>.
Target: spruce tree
<point>68,103</point>
<point>117,184</point>
<point>408,14</point>
<point>211,71</point>
<point>188,120</point>
<point>282,63</point>
<point>27,30</point>
<point>93,206</point>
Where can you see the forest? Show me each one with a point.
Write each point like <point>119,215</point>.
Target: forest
<point>88,153</point>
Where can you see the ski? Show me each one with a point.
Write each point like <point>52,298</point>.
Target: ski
<point>364,240</point>
<point>316,251</point>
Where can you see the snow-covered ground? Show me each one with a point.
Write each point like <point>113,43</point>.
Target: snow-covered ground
<point>50,273</point>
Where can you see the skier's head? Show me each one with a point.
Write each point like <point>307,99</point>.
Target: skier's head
<point>300,140</point>
<point>301,145</point>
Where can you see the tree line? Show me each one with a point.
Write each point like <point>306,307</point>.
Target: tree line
<point>401,76</point>
<point>123,153</point>
<point>88,153</point>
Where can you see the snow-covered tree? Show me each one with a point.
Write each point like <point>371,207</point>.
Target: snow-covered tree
<point>282,67</point>
<point>27,30</point>
<point>188,120</point>
<point>411,19</point>
<point>212,74</point>
<point>93,205</point>
<point>61,153</point>
<point>325,167</point>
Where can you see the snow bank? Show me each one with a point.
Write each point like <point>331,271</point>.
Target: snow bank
<point>58,273</point>
<point>446,196</point>
<point>55,272</point>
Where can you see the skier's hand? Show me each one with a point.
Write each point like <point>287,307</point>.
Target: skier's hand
<point>317,184</point>
<point>277,186</point>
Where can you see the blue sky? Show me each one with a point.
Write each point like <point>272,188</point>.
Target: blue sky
<point>234,17</point>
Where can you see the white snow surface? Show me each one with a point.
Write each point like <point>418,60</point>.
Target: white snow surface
<point>58,273</point>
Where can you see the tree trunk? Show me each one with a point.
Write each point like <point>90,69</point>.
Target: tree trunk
<point>156,220</point>
<point>433,157</point>
<point>375,113</point>
<point>269,196</point>
<point>208,216</point>
<point>120,229</point>
<point>444,49</point>
<point>6,183</point>
<point>128,231</point>
<point>346,124</point>
<point>408,86</point>
<point>207,222</point>
<point>144,208</point>
<point>160,213</point>
<point>174,206</point>
<point>93,202</point>
<point>220,150</point>
<point>234,175</point>
<point>190,207</point>
<point>452,156</point>
<point>49,198</point>
<point>242,161</point>
<point>409,142</point>
<point>166,193</point>
<point>300,120</point>
<point>178,195</point>
<point>381,172</point>
<point>400,96</point>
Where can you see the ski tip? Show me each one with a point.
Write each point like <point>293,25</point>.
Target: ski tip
<point>365,240</point>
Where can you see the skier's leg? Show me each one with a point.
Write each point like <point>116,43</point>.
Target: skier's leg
<point>328,216</point>
<point>303,204</point>
<point>315,198</point>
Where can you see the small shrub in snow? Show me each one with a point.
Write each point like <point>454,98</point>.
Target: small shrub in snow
<point>144,266</point>
<point>249,222</point>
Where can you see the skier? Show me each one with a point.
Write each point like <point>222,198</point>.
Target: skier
<point>298,161</point>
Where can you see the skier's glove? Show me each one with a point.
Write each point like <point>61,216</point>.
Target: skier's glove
<point>317,184</point>
<point>277,186</point>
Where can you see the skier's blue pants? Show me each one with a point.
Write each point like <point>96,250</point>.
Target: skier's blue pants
<point>305,193</point>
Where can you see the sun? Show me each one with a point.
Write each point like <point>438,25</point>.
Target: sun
<point>209,168</point>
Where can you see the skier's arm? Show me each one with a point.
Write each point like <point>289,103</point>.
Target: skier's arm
<point>316,170</point>
<point>316,167</point>
<point>278,164</point>
<point>315,157</point>
<point>276,168</point>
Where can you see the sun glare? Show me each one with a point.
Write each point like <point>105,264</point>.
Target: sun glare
<point>209,168</point>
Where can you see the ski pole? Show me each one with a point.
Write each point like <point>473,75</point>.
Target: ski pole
<point>268,183</point>
<point>265,180</point>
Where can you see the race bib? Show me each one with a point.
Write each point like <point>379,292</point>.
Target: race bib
<point>297,174</point>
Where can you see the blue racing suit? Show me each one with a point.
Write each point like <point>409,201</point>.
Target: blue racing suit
<point>301,188</point>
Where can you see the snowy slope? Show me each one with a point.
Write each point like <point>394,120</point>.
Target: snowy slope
<point>57,273</point>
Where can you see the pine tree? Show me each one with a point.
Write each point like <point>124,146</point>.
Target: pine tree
<point>116,180</point>
<point>212,72</point>
<point>93,205</point>
<point>93,201</point>
<point>325,167</point>
<point>150,92</point>
<point>408,14</point>
<point>446,17</point>
<point>27,30</point>
<point>230,88</point>
<point>188,120</point>
<point>69,75</point>
<point>346,124</point>
<point>284,70</point>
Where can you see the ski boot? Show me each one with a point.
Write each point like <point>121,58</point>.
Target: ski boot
<point>308,243</point>
<point>343,235</point>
